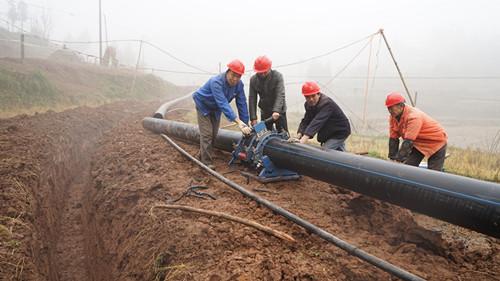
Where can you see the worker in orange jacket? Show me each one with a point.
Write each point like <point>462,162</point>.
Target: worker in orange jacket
<point>422,136</point>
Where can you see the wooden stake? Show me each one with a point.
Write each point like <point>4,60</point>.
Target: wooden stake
<point>253,224</point>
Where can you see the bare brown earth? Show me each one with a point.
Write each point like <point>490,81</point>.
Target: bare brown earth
<point>77,188</point>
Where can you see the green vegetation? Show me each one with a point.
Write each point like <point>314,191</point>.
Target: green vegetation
<point>31,89</point>
<point>38,86</point>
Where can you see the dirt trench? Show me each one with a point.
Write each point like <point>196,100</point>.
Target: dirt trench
<point>46,203</point>
<point>78,187</point>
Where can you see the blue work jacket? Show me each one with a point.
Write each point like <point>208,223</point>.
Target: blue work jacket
<point>215,96</point>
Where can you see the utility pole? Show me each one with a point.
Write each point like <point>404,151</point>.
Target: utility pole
<point>397,67</point>
<point>22,47</point>
<point>100,35</point>
<point>139,56</point>
<point>136,69</point>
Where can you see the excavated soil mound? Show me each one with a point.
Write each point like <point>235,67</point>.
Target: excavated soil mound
<point>78,187</point>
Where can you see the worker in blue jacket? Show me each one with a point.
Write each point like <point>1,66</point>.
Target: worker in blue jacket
<point>212,99</point>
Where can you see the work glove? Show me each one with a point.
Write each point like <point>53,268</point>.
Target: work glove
<point>404,151</point>
<point>244,128</point>
<point>292,140</point>
<point>393,148</point>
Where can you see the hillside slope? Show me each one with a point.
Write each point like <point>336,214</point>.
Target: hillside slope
<point>41,85</point>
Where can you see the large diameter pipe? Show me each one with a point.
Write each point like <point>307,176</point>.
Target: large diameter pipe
<point>463,201</point>
<point>225,139</point>
<point>163,109</point>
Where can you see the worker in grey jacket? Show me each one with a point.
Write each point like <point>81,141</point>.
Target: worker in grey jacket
<point>269,86</point>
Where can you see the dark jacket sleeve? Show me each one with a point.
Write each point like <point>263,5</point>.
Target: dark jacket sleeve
<point>308,116</point>
<point>279,102</point>
<point>319,120</point>
<point>252,99</point>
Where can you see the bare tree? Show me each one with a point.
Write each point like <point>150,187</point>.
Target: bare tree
<point>42,25</point>
<point>12,14</point>
<point>22,10</point>
<point>46,21</point>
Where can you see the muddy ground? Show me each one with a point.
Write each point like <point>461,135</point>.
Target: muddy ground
<point>77,189</point>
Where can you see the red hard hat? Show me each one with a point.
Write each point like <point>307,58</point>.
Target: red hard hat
<point>236,66</point>
<point>310,88</point>
<point>262,64</point>
<point>393,99</point>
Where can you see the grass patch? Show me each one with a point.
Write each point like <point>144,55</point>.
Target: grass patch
<point>26,90</point>
<point>40,86</point>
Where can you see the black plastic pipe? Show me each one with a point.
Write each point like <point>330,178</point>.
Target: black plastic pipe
<point>351,249</point>
<point>162,110</point>
<point>463,201</point>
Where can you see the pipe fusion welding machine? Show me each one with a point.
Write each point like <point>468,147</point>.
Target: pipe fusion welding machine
<point>249,152</point>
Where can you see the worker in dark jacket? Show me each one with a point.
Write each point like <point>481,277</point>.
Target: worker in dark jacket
<point>324,117</point>
<point>212,99</point>
<point>268,84</point>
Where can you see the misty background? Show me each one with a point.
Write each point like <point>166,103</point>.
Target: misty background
<point>448,51</point>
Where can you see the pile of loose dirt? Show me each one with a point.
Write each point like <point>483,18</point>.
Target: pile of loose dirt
<point>144,170</point>
<point>78,187</point>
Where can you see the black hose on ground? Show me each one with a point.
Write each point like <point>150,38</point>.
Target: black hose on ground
<point>351,249</point>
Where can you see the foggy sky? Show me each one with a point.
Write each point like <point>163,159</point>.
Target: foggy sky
<point>429,38</point>
<point>426,36</point>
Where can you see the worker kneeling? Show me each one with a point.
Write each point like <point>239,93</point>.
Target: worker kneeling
<point>212,99</point>
<point>324,117</point>
<point>422,136</point>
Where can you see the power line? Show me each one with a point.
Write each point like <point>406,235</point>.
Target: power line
<point>94,42</point>
<point>145,42</point>
<point>325,87</point>
<point>173,71</point>
<point>377,60</point>
<point>406,77</point>
<point>327,53</point>
<point>349,63</point>
<point>178,59</point>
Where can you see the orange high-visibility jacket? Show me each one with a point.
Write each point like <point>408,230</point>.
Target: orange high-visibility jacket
<point>426,133</point>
